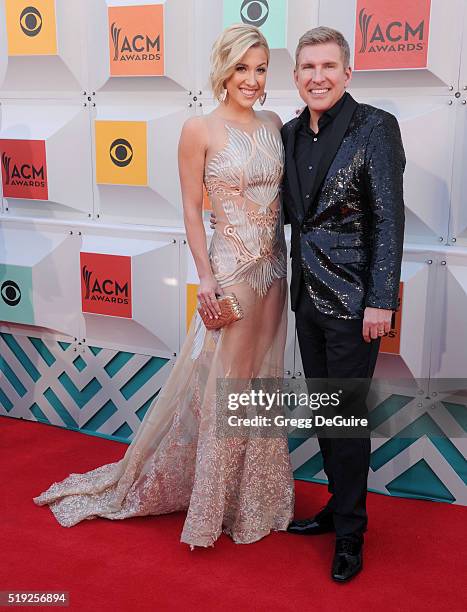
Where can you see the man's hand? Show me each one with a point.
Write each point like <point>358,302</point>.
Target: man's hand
<point>212,221</point>
<point>376,323</point>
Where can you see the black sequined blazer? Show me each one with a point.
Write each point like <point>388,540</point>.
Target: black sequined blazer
<point>347,238</point>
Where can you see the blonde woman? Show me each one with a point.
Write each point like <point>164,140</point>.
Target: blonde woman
<point>178,461</point>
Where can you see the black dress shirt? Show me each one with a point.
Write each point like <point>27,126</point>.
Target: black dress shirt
<point>309,146</point>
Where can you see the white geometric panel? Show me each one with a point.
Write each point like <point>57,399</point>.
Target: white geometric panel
<point>189,282</point>
<point>428,128</point>
<point>412,360</point>
<point>445,35</point>
<point>43,76</point>
<point>287,109</point>
<point>458,217</point>
<point>153,328</point>
<point>65,129</point>
<point>448,358</point>
<point>463,70</point>
<point>52,255</point>
<point>281,21</point>
<point>174,54</point>
<point>159,202</point>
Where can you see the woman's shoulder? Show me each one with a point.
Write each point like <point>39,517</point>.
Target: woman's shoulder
<point>195,128</point>
<point>270,117</point>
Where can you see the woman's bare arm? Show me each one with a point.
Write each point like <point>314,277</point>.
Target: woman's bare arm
<point>191,157</point>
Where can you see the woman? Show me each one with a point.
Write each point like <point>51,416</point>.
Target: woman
<point>178,461</point>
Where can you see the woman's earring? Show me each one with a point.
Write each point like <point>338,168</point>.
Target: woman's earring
<point>223,96</point>
<point>262,99</point>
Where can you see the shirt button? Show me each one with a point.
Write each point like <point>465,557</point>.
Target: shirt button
<point>310,167</point>
<point>307,196</point>
<point>315,139</point>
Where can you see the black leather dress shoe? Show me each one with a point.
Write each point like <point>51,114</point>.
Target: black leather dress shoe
<point>313,526</point>
<point>348,559</point>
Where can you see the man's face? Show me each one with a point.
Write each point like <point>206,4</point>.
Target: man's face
<point>320,76</point>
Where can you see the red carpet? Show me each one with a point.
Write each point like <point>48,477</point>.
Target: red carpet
<point>415,553</point>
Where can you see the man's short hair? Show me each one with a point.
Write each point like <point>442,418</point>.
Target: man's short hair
<point>321,35</point>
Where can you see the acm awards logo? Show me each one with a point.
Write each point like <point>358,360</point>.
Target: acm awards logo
<point>24,169</point>
<point>11,293</point>
<point>106,284</point>
<point>138,48</point>
<point>23,175</point>
<point>30,21</point>
<point>394,36</point>
<point>391,35</point>
<point>136,40</point>
<point>104,290</point>
<point>254,12</point>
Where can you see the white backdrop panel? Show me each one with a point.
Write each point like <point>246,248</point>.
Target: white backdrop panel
<point>177,51</point>
<point>154,326</point>
<point>158,203</point>
<point>445,35</point>
<point>413,359</point>
<point>428,129</point>
<point>448,355</point>
<point>428,174</point>
<point>65,128</point>
<point>45,76</point>
<point>52,255</point>
<point>458,216</point>
<point>463,51</point>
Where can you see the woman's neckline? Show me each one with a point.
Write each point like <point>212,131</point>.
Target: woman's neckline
<point>254,119</point>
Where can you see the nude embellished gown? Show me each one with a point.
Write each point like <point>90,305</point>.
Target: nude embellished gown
<point>177,461</point>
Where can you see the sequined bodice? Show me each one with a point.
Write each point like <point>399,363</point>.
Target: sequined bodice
<point>242,178</point>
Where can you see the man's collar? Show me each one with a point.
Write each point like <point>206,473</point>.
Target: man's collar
<point>327,116</point>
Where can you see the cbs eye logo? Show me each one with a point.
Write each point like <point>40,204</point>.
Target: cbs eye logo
<point>254,12</point>
<point>11,293</point>
<point>121,152</point>
<point>30,21</point>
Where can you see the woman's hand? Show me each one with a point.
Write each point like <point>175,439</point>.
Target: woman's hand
<point>208,288</point>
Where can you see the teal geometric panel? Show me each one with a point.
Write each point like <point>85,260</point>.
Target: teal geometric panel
<point>420,480</point>
<point>420,460</point>
<point>96,390</point>
<point>268,15</point>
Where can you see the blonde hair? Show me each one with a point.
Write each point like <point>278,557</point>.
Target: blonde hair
<point>321,35</point>
<point>227,51</point>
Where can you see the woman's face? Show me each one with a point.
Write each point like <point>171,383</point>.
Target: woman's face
<point>247,83</point>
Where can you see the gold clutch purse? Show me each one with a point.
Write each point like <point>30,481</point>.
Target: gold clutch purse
<point>231,311</point>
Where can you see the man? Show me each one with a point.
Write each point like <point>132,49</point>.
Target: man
<point>343,197</point>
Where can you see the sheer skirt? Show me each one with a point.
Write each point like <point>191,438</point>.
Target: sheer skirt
<point>178,461</point>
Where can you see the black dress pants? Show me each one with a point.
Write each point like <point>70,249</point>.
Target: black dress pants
<point>334,348</point>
